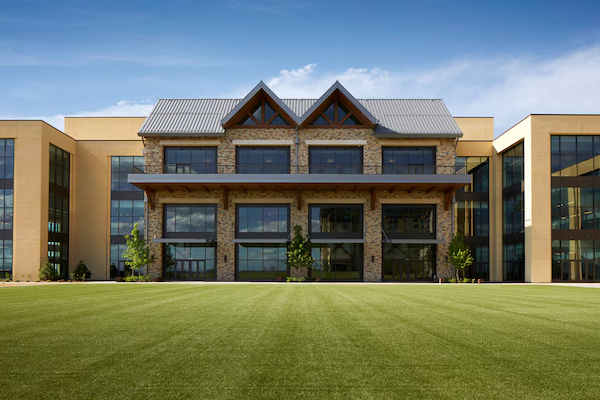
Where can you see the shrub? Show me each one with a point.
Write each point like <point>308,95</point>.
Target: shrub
<point>466,280</point>
<point>113,271</point>
<point>47,272</point>
<point>138,278</point>
<point>473,280</point>
<point>452,280</point>
<point>7,277</point>
<point>81,272</point>
<point>292,279</point>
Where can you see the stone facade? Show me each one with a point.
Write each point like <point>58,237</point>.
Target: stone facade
<point>372,262</point>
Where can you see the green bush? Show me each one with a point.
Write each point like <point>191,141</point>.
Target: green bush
<point>7,277</point>
<point>81,272</point>
<point>138,278</point>
<point>452,280</point>
<point>473,280</point>
<point>47,272</point>
<point>466,280</point>
<point>292,279</point>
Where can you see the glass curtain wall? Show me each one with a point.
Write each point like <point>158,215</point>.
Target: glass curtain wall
<point>7,153</point>
<point>513,214</point>
<point>471,213</point>
<point>575,212</point>
<point>126,209</point>
<point>58,210</point>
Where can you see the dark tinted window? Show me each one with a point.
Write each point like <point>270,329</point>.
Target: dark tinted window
<point>335,160</point>
<point>191,160</point>
<point>263,160</point>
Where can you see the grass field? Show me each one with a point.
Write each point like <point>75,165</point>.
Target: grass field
<point>299,341</point>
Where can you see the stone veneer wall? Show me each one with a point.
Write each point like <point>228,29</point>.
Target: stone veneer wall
<point>154,153</point>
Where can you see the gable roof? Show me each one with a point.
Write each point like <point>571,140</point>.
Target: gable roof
<point>394,117</point>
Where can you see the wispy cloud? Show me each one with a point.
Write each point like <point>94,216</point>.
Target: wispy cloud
<point>270,7</point>
<point>123,108</point>
<point>507,88</point>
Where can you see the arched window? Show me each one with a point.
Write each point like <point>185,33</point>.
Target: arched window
<point>263,114</point>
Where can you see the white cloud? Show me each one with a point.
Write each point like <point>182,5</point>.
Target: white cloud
<point>123,108</point>
<point>507,88</point>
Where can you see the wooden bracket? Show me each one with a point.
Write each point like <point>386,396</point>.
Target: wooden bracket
<point>412,189</point>
<point>187,189</point>
<point>299,199</point>
<point>430,189</point>
<point>151,198</point>
<point>373,199</point>
<point>448,198</point>
<point>168,189</point>
<point>225,199</point>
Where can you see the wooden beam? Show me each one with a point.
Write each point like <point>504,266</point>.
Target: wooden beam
<point>225,199</point>
<point>299,199</point>
<point>448,198</point>
<point>373,199</point>
<point>202,188</point>
<point>187,189</point>
<point>242,189</point>
<point>151,198</point>
<point>430,189</point>
<point>168,189</point>
<point>412,189</point>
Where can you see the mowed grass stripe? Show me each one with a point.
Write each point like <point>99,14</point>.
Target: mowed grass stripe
<point>299,341</point>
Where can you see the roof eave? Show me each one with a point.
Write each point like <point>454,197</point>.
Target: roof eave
<point>417,135</point>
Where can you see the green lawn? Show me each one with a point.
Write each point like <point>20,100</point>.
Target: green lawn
<point>299,341</point>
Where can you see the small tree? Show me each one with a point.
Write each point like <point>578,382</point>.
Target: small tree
<point>459,255</point>
<point>81,272</point>
<point>298,253</point>
<point>137,250</point>
<point>47,272</point>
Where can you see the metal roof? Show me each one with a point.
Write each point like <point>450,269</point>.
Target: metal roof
<point>203,117</point>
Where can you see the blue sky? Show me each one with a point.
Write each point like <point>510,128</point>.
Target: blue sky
<point>505,59</point>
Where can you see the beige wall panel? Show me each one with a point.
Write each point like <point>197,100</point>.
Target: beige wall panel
<point>476,128</point>
<point>90,229</point>
<point>104,128</point>
<point>474,149</point>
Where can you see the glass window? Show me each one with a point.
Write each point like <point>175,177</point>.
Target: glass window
<point>575,155</point>
<point>409,262</point>
<point>189,261</point>
<point>336,221</point>
<point>409,221</point>
<point>335,160</point>
<point>191,160</point>
<point>337,261</point>
<point>193,220</point>
<point>263,160</point>
<point>337,114</point>
<point>263,221</point>
<point>58,210</point>
<point>259,262</point>
<point>263,113</point>
<point>409,160</point>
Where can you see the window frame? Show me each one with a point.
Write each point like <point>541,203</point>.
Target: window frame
<point>200,235</point>
<point>261,235</point>
<point>408,166</point>
<point>191,148</point>
<point>410,235</point>
<point>337,235</point>
<point>242,148</point>
<point>311,149</point>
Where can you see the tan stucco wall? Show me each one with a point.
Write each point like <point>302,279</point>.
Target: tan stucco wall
<point>31,180</point>
<point>476,128</point>
<point>103,128</point>
<point>98,140</point>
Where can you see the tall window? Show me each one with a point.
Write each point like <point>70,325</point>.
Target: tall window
<point>6,204</point>
<point>336,221</point>
<point>191,160</point>
<point>335,160</point>
<point>409,262</point>
<point>258,262</point>
<point>471,212</point>
<point>262,221</point>
<point>513,213</point>
<point>189,261</point>
<point>58,210</point>
<point>575,155</point>
<point>337,261</point>
<point>263,160</point>
<point>408,160</point>
<point>189,221</point>
<point>127,209</point>
<point>409,221</point>
<point>263,114</point>
<point>576,260</point>
<point>336,114</point>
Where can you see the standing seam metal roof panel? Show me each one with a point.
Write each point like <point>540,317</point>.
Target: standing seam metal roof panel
<point>191,117</point>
